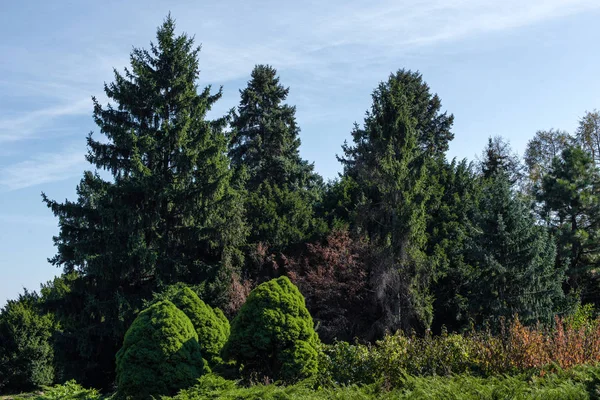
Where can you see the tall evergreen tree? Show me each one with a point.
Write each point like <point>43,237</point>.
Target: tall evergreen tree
<point>388,163</point>
<point>570,197</point>
<point>449,230</point>
<point>282,187</point>
<point>512,260</point>
<point>170,212</point>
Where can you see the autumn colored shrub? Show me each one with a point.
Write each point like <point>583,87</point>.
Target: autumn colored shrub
<point>272,335</point>
<point>333,277</point>
<point>237,292</point>
<point>569,343</point>
<point>160,353</point>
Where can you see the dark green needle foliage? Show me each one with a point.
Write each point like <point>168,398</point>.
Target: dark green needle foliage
<point>273,334</point>
<point>390,165</point>
<point>210,324</point>
<point>160,353</point>
<point>170,211</point>
<point>570,200</point>
<point>512,259</point>
<point>282,187</point>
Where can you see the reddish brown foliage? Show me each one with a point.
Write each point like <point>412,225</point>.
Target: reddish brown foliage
<point>522,348</point>
<point>333,277</point>
<point>237,293</point>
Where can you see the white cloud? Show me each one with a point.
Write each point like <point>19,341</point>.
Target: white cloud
<point>28,124</point>
<point>43,168</point>
<point>329,44</point>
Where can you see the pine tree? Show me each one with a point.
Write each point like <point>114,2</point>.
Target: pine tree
<point>512,260</point>
<point>170,212</point>
<point>403,135</point>
<point>570,197</point>
<point>282,187</point>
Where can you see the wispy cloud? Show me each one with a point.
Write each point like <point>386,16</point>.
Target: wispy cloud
<point>18,219</point>
<point>43,168</point>
<point>28,124</point>
<point>326,44</point>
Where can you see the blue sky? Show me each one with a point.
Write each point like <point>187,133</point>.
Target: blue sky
<point>501,67</point>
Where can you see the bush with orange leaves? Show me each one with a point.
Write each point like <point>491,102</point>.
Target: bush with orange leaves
<point>518,348</point>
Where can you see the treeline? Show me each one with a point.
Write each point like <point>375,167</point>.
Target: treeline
<point>404,239</point>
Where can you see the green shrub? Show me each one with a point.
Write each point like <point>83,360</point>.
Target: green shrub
<point>272,335</point>
<point>26,353</point>
<point>70,390</point>
<point>559,386</point>
<point>210,324</point>
<point>160,353</point>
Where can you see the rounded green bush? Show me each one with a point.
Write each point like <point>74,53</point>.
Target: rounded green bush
<point>273,334</point>
<point>160,353</point>
<point>210,324</point>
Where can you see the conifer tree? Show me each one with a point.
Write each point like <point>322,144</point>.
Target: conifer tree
<point>404,134</point>
<point>498,157</point>
<point>170,212</point>
<point>570,199</point>
<point>282,187</point>
<point>512,260</point>
<point>449,231</point>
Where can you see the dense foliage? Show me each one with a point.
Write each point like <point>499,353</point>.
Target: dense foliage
<point>171,211</point>
<point>211,325</point>
<point>401,254</point>
<point>26,353</point>
<point>282,188</point>
<point>160,353</point>
<point>272,335</point>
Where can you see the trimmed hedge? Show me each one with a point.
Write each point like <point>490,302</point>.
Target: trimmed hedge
<point>160,353</point>
<point>211,325</point>
<point>272,335</point>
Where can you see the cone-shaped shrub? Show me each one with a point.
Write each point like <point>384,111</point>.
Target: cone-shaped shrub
<point>160,353</point>
<point>210,324</point>
<point>273,334</point>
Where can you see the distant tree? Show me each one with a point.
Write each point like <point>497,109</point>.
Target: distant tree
<point>570,197</point>
<point>588,135</point>
<point>404,135</point>
<point>160,354</point>
<point>541,151</point>
<point>512,260</point>
<point>498,157</point>
<point>171,211</point>
<point>272,335</point>
<point>282,187</point>
<point>26,351</point>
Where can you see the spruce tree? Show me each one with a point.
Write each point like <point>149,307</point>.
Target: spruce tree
<point>449,230</point>
<point>170,212</point>
<point>404,135</point>
<point>512,260</point>
<point>282,187</point>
